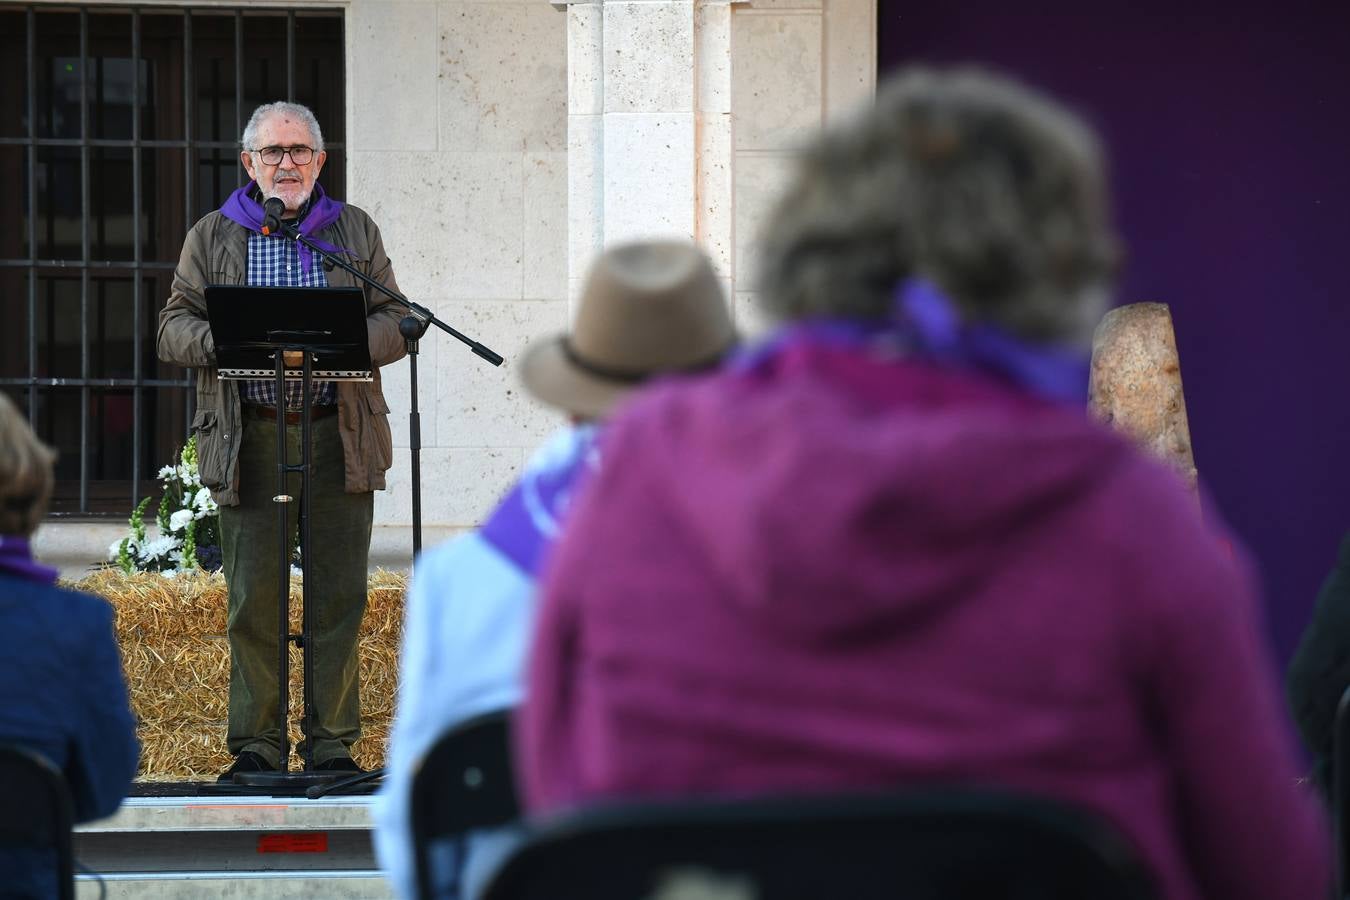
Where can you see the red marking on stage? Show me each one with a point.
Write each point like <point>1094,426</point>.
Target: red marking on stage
<point>311,842</point>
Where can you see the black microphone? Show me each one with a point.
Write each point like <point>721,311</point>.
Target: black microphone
<point>273,209</point>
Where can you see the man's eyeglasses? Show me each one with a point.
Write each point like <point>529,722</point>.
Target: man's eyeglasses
<point>271,156</point>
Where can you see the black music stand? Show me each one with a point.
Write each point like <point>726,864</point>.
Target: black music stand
<point>253,328</point>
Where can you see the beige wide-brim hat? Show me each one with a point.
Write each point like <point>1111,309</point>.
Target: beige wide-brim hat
<point>647,308</point>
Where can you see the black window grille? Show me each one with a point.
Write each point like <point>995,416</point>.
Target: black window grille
<point>119,128</point>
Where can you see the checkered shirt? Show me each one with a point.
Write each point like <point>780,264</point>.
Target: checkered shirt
<point>275,262</point>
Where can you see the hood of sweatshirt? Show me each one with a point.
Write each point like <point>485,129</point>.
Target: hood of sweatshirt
<point>833,493</point>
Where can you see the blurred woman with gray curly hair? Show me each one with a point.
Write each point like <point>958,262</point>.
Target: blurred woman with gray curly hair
<point>885,547</point>
<point>62,694</point>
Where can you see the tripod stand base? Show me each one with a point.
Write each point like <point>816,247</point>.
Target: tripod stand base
<point>296,781</point>
<point>361,781</point>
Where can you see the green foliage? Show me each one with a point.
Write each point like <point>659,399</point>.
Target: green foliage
<point>125,558</point>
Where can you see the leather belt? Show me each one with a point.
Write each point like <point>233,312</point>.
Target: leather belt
<point>293,417</point>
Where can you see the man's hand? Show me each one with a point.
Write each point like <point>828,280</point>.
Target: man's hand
<point>293,359</point>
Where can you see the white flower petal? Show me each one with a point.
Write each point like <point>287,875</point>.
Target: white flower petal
<point>160,547</point>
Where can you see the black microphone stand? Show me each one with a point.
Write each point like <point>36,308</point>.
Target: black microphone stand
<point>413,326</point>
<point>412,330</point>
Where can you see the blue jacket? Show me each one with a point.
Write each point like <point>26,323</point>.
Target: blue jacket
<point>62,694</point>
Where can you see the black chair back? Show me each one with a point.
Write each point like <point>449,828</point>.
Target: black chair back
<point>948,845</point>
<point>462,783</point>
<point>41,815</point>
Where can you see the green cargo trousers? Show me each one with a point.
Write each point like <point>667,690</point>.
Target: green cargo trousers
<point>335,585</point>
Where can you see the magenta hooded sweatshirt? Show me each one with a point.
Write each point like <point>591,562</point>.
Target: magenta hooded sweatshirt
<point>836,572</point>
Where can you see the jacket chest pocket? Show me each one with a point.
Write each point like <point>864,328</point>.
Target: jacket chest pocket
<point>338,278</point>
<point>226,274</point>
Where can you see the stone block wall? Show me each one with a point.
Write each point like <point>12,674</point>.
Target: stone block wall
<point>796,64</point>
<point>458,148</point>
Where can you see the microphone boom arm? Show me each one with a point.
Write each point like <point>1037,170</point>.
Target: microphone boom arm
<point>416,310</point>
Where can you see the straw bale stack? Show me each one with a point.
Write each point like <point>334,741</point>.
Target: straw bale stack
<point>177,663</point>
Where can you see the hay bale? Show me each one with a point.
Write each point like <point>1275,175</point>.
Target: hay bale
<point>177,664</point>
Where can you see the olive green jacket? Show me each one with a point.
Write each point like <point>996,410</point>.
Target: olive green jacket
<point>216,252</point>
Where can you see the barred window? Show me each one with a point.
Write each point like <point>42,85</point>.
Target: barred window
<point>119,128</point>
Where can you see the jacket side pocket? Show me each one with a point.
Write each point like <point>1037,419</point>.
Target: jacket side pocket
<point>382,439</point>
<point>210,448</point>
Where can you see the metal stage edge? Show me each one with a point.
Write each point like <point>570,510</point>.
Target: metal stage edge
<point>214,845</point>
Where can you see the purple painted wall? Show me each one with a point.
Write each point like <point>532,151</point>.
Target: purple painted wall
<point>1229,134</point>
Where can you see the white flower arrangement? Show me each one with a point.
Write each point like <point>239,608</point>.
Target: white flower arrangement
<point>188,522</point>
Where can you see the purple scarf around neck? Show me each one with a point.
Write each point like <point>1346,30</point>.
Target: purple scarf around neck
<point>240,207</point>
<point>924,324</point>
<point>1058,373</point>
<point>16,559</point>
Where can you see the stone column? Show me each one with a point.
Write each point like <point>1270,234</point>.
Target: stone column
<point>714,189</point>
<point>648,126</point>
<point>585,139</point>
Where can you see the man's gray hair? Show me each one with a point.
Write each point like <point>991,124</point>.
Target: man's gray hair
<point>285,108</point>
<point>994,193</point>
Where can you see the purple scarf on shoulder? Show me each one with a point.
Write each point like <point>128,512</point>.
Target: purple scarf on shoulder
<point>240,207</point>
<point>925,324</point>
<point>528,521</point>
<point>16,560</point>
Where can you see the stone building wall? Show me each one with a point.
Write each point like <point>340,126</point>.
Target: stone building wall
<point>457,118</point>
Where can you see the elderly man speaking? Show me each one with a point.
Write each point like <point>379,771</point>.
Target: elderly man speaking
<point>236,422</point>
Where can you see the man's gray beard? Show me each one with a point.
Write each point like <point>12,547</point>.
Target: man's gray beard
<point>287,173</point>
